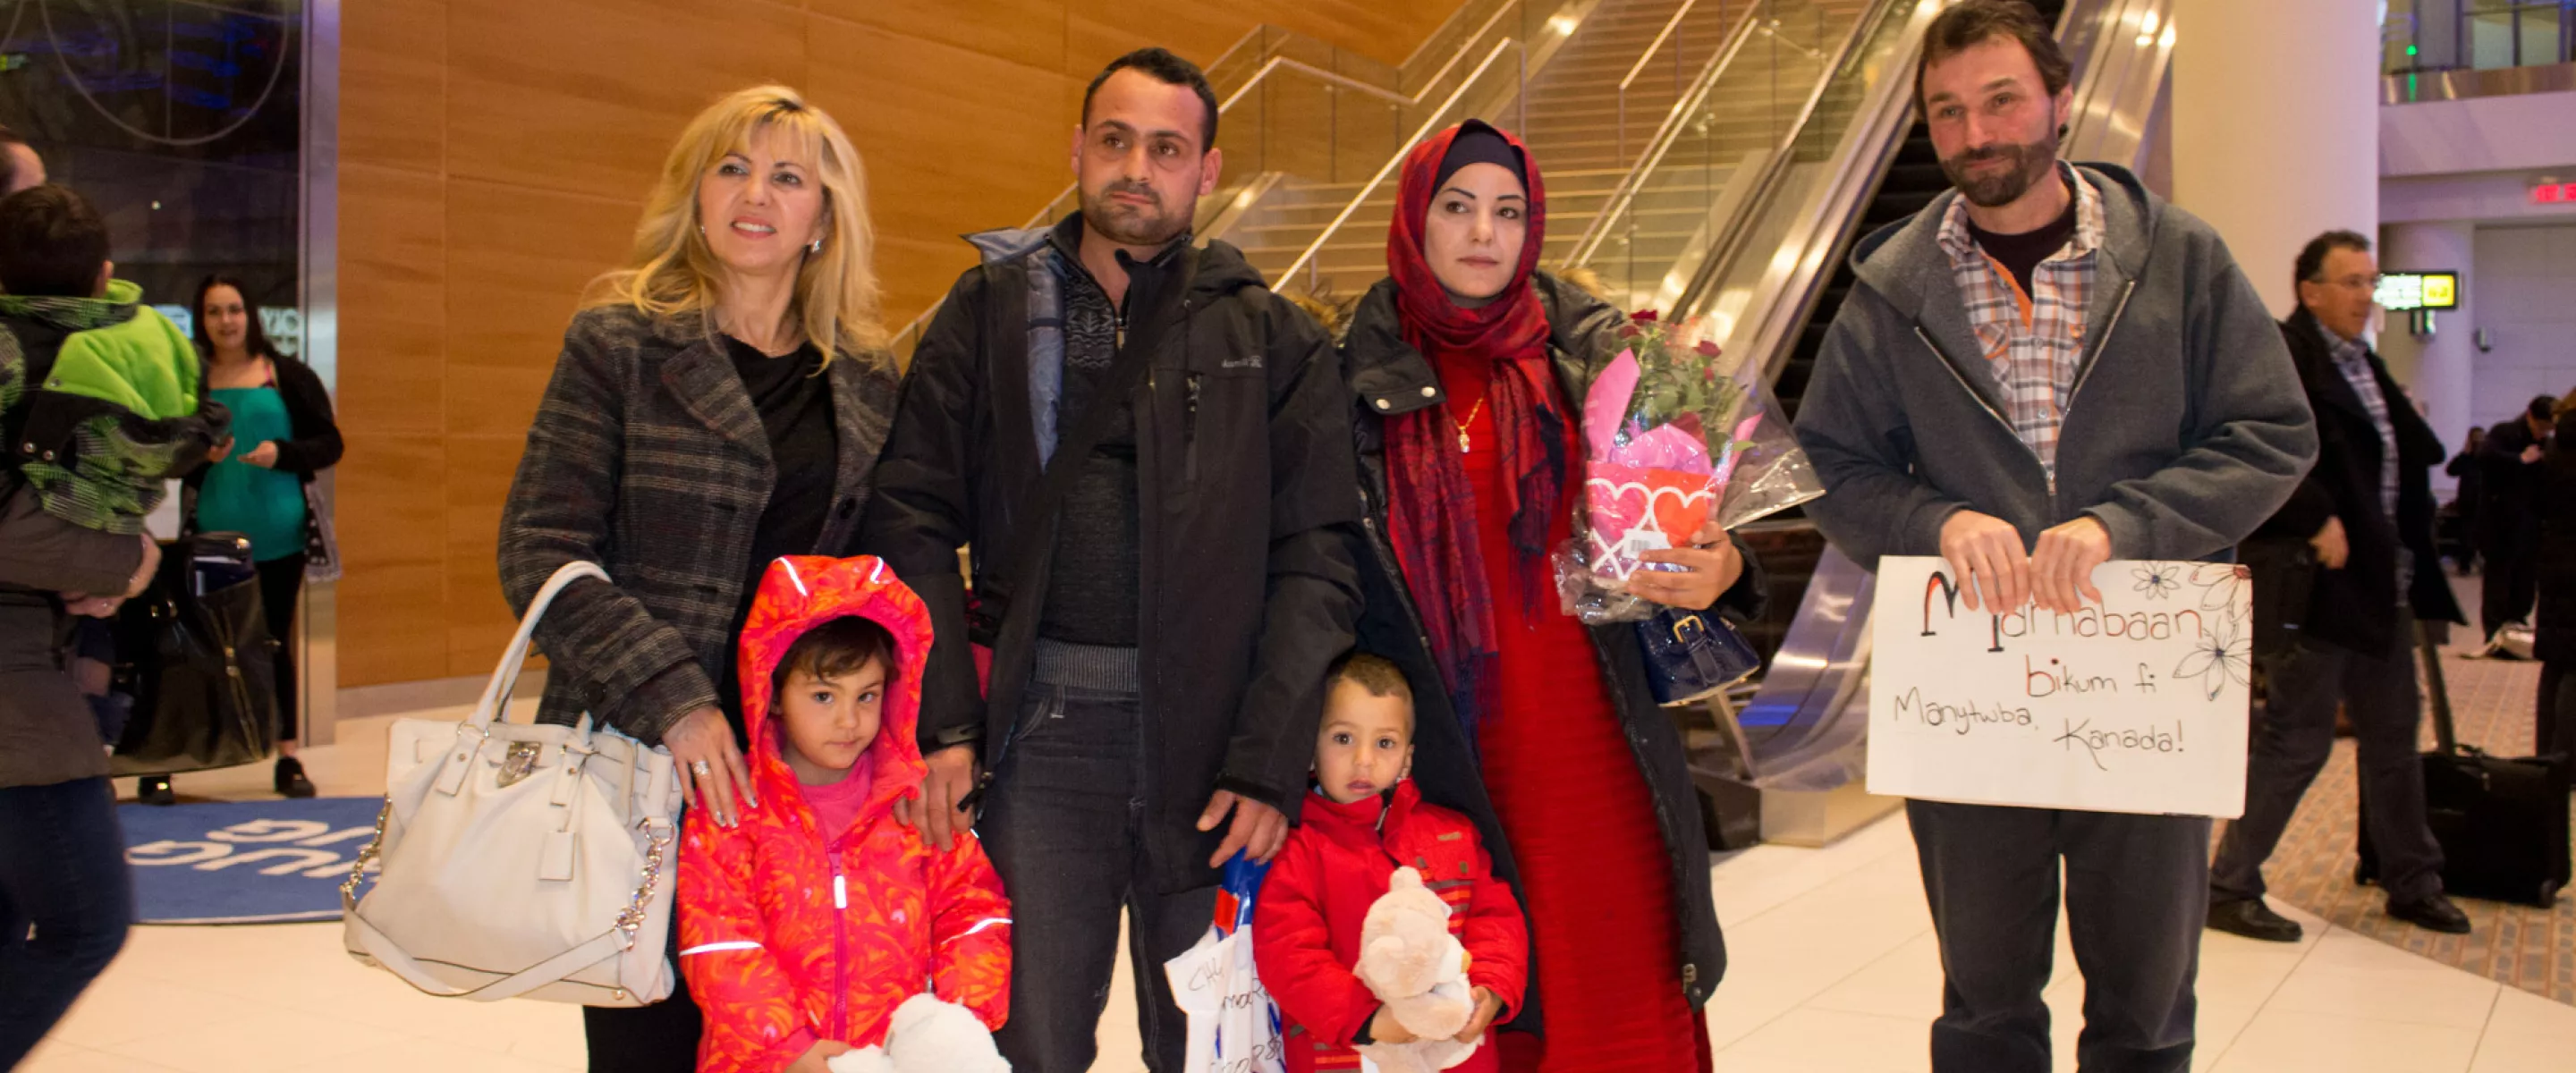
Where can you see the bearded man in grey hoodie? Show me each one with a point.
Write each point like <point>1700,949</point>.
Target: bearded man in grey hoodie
<point>2045,369</point>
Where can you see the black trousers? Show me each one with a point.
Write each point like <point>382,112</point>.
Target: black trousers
<point>281,588</point>
<point>1061,824</point>
<point>2137,894</point>
<point>660,1038</point>
<point>2294,734</point>
<point>2511,586</point>
<point>2556,726</point>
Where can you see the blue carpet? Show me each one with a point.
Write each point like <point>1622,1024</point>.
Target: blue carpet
<point>244,862</point>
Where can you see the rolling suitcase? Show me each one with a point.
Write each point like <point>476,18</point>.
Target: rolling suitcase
<point>2502,822</point>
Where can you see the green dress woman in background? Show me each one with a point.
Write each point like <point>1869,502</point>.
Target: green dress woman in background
<point>282,435</point>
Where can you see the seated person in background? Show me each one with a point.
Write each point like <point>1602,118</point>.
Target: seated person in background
<point>809,920</point>
<point>1363,820</point>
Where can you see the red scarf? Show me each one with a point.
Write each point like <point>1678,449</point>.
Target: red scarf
<point>1434,509</point>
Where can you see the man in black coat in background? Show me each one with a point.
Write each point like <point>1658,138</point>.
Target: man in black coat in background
<point>2367,511</point>
<point>2509,517</point>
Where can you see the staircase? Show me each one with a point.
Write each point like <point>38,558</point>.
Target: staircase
<point>1682,194</point>
<point>1586,115</point>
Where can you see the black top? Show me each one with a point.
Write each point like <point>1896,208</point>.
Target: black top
<point>795,404</point>
<point>1093,588</point>
<point>2021,254</point>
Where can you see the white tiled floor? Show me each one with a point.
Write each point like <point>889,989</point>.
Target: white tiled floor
<point>1832,970</point>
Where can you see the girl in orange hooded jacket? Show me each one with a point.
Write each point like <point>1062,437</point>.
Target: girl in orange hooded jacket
<point>805,924</point>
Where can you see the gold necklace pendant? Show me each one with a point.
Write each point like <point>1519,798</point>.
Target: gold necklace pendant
<point>1464,446</point>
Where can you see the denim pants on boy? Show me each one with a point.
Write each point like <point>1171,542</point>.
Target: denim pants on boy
<point>1061,823</point>
<point>2137,894</point>
<point>62,870</point>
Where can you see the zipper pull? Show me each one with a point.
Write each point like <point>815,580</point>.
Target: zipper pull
<point>840,891</point>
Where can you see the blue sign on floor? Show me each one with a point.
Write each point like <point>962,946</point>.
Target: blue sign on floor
<point>244,862</point>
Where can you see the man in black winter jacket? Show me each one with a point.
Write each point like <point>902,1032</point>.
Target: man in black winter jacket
<point>2366,509</point>
<point>1161,614</point>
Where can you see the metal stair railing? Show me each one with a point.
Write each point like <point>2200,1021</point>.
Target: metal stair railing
<point>1266,56</point>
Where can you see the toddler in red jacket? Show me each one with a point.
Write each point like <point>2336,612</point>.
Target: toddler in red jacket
<point>1363,820</point>
<point>805,924</point>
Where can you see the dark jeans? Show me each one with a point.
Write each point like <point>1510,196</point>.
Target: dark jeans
<point>2510,588</point>
<point>62,871</point>
<point>2294,734</point>
<point>1061,824</point>
<point>281,586</point>
<point>2556,726</point>
<point>2136,896</point>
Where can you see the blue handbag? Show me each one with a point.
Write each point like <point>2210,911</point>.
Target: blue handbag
<point>1692,655</point>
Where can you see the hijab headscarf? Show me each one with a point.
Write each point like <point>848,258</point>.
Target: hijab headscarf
<point>1433,506</point>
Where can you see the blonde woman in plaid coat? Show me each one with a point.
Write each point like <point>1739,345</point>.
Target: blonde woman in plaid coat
<point>720,403</point>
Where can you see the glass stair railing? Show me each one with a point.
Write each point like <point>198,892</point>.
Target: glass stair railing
<point>1588,115</point>
<point>1746,107</point>
<point>1303,119</point>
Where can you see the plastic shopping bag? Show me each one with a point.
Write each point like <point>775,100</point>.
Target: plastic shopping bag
<point>1234,1027</point>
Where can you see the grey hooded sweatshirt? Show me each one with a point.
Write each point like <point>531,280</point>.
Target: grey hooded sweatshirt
<point>2185,430</point>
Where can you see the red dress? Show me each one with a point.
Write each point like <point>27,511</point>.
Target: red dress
<point>1576,809</point>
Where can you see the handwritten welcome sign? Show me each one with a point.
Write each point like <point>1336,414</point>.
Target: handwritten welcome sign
<point>2137,704</point>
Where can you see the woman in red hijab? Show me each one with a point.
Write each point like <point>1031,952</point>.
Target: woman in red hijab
<point>1467,362</point>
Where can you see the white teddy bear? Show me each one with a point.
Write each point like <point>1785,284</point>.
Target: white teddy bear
<point>1411,963</point>
<point>927,1036</point>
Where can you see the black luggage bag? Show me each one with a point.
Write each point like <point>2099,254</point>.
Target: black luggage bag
<point>2502,822</point>
<point>194,653</point>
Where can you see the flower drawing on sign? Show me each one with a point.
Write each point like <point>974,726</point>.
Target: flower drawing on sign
<point>2158,580</point>
<point>2220,585</point>
<point>2220,657</point>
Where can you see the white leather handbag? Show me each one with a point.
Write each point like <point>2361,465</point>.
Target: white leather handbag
<point>521,860</point>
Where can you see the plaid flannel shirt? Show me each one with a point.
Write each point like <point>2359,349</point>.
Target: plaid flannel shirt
<point>2353,360</point>
<point>2031,341</point>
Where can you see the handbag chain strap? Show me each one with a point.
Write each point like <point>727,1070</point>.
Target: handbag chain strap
<point>367,856</point>
<point>657,838</point>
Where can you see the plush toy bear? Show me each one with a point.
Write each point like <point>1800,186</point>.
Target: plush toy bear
<point>1411,963</point>
<point>927,1036</point>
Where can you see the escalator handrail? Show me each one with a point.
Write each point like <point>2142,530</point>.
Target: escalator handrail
<point>2126,56</point>
<point>1878,125</point>
<point>1668,132</point>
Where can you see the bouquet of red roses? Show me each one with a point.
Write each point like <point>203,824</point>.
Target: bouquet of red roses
<point>1674,434</point>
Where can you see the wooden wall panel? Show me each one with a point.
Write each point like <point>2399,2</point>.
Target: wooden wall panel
<point>586,96</point>
<point>517,262</point>
<point>393,79</point>
<point>393,266</point>
<point>494,156</point>
<point>1026,32</point>
<point>955,141</point>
